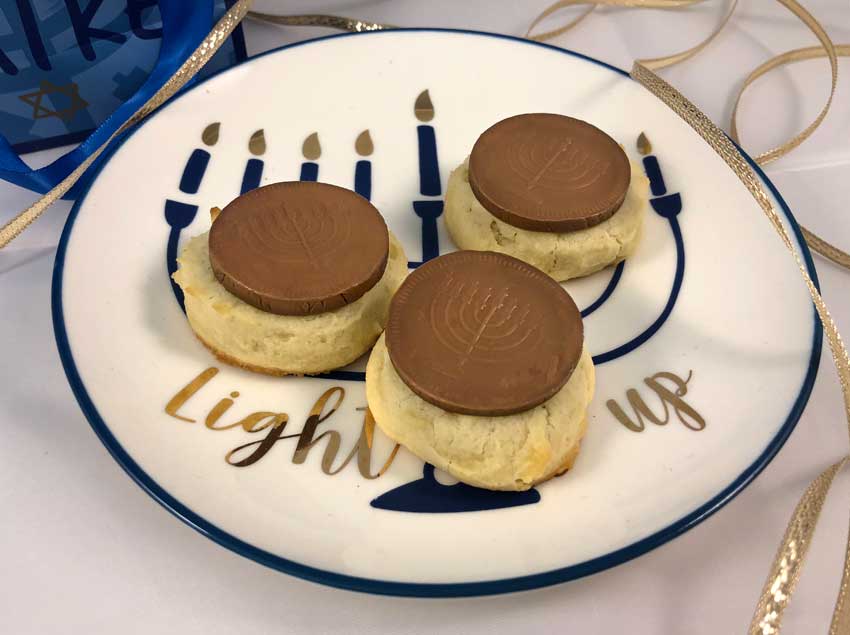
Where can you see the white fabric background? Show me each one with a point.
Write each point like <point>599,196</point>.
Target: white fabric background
<point>85,550</point>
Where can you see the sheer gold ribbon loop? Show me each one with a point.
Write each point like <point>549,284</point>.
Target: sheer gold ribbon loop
<point>548,35</point>
<point>829,51</point>
<point>655,63</point>
<point>563,4</point>
<point>788,561</point>
<point>668,60</point>
<point>201,55</point>
<point>789,57</point>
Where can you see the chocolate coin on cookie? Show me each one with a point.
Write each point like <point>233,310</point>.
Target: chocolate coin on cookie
<point>291,279</point>
<point>548,173</point>
<point>483,333</point>
<point>299,248</point>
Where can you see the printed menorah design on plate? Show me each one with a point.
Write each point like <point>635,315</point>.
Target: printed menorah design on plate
<point>565,166</point>
<point>480,323</point>
<point>289,235</point>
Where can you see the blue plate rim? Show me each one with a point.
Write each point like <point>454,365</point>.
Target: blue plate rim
<point>409,589</point>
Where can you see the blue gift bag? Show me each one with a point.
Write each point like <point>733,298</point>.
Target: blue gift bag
<point>73,71</point>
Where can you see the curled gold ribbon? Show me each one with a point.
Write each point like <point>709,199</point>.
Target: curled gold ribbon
<point>826,49</point>
<point>633,4</point>
<point>669,60</point>
<point>787,564</point>
<point>831,51</point>
<point>814,241</point>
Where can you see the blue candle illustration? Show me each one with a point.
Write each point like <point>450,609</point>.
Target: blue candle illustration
<point>666,205</point>
<point>179,214</point>
<point>254,167</point>
<point>429,178</point>
<point>363,170</point>
<point>311,149</point>
<point>429,168</point>
<point>197,163</point>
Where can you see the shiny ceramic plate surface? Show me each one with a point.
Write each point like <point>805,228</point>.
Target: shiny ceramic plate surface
<point>705,342</point>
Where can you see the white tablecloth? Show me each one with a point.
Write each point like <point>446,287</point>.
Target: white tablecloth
<point>83,549</point>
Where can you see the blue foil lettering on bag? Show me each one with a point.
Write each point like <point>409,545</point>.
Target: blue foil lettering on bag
<point>66,65</point>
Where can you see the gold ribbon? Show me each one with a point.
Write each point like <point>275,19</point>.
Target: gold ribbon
<point>787,564</point>
<point>817,243</point>
<point>201,55</point>
<point>592,4</point>
<point>327,21</point>
<point>826,49</point>
<point>786,567</point>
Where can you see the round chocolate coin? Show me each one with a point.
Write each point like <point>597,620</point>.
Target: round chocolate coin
<point>481,333</point>
<point>299,248</point>
<point>548,173</point>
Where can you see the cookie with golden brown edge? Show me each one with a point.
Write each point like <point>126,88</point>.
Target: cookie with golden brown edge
<point>551,190</point>
<point>482,371</point>
<point>292,278</point>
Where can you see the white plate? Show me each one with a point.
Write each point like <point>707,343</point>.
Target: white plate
<point>710,298</point>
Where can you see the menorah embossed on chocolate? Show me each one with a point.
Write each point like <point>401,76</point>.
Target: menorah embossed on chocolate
<point>546,167</point>
<point>568,168</point>
<point>294,235</point>
<point>452,337</point>
<point>483,324</point>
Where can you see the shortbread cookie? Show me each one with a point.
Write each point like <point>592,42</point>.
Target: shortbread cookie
<point>550,190</point>
<point>314,267</point>
<point>482,371</point>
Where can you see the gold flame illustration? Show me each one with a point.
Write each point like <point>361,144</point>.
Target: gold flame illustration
<point>423,108</point>
<point>643,144</point>
<point>311,148</point>
<point>363,144</point>
<point>210,134</point>
<point>257,142</point>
